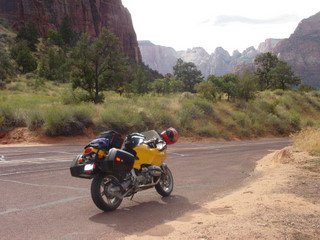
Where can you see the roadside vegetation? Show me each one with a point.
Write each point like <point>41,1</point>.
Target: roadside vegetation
<point>65,83</point>
<point>308,140</point>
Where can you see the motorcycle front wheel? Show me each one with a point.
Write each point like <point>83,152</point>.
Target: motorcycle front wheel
<point>104,192</point>
<point>165,186</point>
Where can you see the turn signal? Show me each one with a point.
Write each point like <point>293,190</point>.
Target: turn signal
<point>118,159</point>
<point>80,160</point>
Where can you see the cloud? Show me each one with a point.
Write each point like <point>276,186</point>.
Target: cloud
<point>223,20</point>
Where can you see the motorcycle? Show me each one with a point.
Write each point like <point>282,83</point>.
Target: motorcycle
<point>122,172</point>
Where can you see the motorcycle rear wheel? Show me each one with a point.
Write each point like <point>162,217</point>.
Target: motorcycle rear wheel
<point>165,186</point>
<point>102,198</point>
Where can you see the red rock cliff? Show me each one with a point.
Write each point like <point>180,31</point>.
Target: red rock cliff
<point>302,50</point>
<point>85,15</point>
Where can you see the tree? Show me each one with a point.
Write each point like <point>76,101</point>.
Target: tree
<point>175,85</point>
<point>97,64</point>
<point>282,75</point>
<point>66,32</point>
<point>207,90</point>
<point>55,37</point>
<point>166,85</point>
<point>30,34</point>
<point>6,67</point>
<point>229,85</point>
<point>54,65</point>
<point>23,57</point>
<point>265,62</point>
<point>188,74</point>
<point>140,83</point>
<point>247,85</point>
<point>160,86</point>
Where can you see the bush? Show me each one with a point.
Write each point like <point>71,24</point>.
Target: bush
<point>66,121</point>
<point>84,114</point>
<point>188,113</point>
<point>278,92</point>
<point>11,116</point>
<point>122,118</point>
<point>204,105</point>
<point>162,119</point>
<point>35,119</point>
<point>206,129</point>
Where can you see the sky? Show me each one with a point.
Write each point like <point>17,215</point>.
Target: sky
<point>231,24</point>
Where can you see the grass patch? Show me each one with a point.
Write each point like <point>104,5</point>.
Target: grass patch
<point>308,140</point>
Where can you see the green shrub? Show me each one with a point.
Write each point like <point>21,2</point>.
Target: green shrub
<point>309,122</point>
<point>278,92</point>
<point>84,114</point>
<point>268,107</point>
<point>188,113</point>
<point>62,121</point>
<point>204,105</point>
<point>162,119</point>
<point>207,130</point>
<point>122,118</point>
<point>11,116</point>
<point>35,119</point>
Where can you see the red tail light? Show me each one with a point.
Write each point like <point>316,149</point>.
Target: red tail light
<point>88,150</point>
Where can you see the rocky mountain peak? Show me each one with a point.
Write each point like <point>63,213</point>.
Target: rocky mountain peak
<point>301,50</point>
<point>309,26</point>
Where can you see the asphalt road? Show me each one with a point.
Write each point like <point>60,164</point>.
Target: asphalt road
<point>40,199</point>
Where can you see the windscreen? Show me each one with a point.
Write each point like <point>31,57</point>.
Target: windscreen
<point>151,135</point>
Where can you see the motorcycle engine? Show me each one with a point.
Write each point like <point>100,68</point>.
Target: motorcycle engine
<point>146,174</point>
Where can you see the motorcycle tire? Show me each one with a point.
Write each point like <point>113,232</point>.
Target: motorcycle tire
<point>104,201</point>
<point>165,186</point>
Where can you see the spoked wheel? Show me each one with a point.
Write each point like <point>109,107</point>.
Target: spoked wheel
<point>105,191</point>
<point>165,186</point>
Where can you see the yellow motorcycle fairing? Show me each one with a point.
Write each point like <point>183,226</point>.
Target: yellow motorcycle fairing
<point>150,156</point>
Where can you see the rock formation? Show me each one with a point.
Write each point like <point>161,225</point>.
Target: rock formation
<point>302,50</point>
<point>199,57</point>
<point>268,45</point>
<point>158,57</point>
<point>219,63</point>
<point>85,16</point>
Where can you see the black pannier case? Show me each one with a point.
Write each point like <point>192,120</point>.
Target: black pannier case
<point>115,138</point>
<point>77,170</point>
<point>118,161</point>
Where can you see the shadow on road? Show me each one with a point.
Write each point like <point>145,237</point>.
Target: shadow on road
<point>146,215</point>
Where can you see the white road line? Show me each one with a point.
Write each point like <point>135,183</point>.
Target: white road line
<point>179,154</point>
<point>44,185</point>
<point>43,205</point>
<point>37,160</point>
<point>42,170</point>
